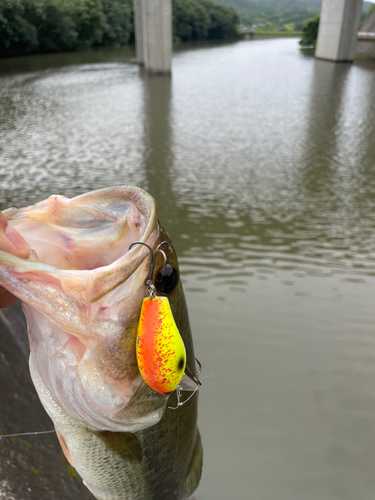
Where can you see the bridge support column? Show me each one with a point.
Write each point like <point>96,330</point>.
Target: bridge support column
<point>153,34</point>
<point>338,27</point>
<point>138,26</point>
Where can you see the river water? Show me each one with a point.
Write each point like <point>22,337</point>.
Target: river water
<point>261,160</point>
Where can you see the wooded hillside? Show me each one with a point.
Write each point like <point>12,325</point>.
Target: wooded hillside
<point>289,15</point>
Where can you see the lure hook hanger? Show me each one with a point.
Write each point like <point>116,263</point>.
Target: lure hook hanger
<point>149,280</point>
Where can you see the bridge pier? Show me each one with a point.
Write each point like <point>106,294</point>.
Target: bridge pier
<point>153,34</point>
<point>338,27</point>
<point>138,28</point>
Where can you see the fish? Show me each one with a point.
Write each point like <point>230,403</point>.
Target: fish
<point>74,265</point>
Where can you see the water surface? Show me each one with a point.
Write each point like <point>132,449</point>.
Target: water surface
<point>262,162</point>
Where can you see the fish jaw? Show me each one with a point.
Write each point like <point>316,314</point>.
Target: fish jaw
<point>82,291</point>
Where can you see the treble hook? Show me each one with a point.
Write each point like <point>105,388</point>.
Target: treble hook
<point>149,280</point>
<point>179,389</point>
<point>194,376</point>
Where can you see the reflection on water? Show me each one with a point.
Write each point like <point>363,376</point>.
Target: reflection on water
<point>261,161</point>
<point>158,155</point>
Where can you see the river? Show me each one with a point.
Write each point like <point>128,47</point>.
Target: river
<point>261,160</point>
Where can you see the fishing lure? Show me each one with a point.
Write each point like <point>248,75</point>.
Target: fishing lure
<point>161,353</point>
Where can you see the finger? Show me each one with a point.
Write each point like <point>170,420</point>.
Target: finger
<point>12,242</point>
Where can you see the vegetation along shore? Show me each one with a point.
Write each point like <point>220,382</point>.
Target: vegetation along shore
<point>40,26</point>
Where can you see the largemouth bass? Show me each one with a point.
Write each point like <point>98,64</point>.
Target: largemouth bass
<point>82,288</point>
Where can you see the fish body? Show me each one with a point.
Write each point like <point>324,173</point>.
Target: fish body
<point>82,288</point>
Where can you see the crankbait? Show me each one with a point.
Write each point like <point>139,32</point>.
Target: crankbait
<point>161,353</point>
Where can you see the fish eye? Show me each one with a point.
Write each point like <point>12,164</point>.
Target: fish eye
<point>166,280</point>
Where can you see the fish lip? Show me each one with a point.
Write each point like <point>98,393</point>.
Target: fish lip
<point>100,280</point>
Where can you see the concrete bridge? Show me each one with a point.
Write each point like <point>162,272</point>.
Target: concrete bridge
<point>338,31</point>
<point>366,38</point>
<point>337,38</point>
<point>153,34</point>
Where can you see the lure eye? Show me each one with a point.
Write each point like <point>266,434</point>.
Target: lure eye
<point>166,280</point>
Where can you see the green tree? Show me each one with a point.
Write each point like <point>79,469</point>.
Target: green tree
<point>310,32</point>
<point>89,21</point>
<point>118,21</point>
<point>17,34</point>
<point>54,23</point>
<point>190,20</point>
<point>223,21</point>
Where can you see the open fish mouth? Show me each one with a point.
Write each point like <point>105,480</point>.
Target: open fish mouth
<point>82,290</point>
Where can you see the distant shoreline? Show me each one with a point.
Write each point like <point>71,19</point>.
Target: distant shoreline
<point>278,35</point>
<point>257,36</point>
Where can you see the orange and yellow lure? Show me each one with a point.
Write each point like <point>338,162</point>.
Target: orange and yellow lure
<point>160,349</point>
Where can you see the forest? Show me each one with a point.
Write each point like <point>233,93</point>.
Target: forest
<point>279,15</point>
<point>40,26</point>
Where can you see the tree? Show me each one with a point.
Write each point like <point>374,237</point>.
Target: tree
<point>310,32</point>
<point>118,21</point>
<point>89,21</point>
<point>16,33</point>
<point>223,21</point>
<point>54,24</point>
<point>190,20</point>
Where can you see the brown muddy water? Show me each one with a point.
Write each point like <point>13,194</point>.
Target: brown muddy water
<point>262,162</point>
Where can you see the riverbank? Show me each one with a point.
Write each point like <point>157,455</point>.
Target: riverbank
<point>281,34</point>
<point>49,26</point>
<point>264,35</point>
